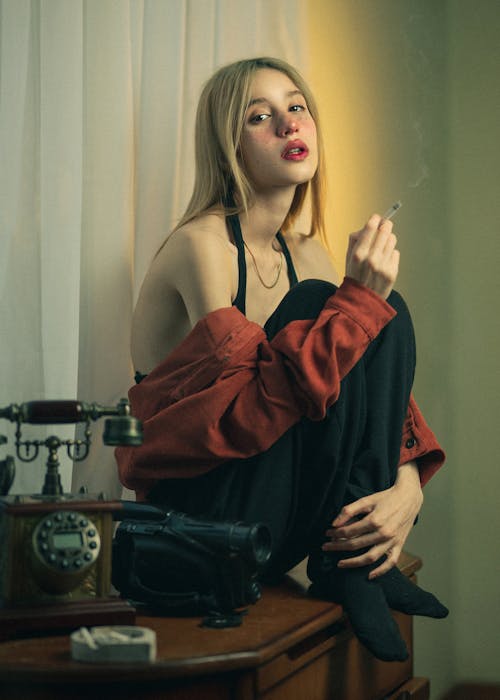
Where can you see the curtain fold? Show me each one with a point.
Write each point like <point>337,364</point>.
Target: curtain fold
<point>97,109</point>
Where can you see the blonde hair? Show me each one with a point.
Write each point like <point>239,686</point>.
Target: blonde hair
<point>219,123</point>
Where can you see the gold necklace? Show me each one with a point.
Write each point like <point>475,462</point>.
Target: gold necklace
<point>273,284</point>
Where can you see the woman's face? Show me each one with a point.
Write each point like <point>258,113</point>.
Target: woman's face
<point>278,146</point>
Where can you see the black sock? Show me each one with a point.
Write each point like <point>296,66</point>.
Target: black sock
<point>404,595</point>
<point>365,604</point>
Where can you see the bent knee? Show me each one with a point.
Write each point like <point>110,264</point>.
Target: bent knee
<point>398,303</point>
<point>310,295</point>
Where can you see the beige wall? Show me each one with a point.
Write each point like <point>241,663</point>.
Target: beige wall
<point>403,88</point>
<point>474,220</point>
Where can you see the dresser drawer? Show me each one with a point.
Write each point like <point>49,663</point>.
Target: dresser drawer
<point>414,689</point>
<point>333,665</point>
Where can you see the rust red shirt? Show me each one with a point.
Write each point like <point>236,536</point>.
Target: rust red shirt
<point>228,392</point>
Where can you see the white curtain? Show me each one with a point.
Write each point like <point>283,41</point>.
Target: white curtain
<point>97,102</point>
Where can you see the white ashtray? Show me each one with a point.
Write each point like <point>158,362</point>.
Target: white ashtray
<point>114,644</point>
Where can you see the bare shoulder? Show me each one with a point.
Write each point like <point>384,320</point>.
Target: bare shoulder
<point>191,275</point>
<point>198,242</point>
<point>197,261</point>
<point>192,255</point>
<point>310,258</point>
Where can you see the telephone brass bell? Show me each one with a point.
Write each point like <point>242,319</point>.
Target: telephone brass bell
<point>122,430</point>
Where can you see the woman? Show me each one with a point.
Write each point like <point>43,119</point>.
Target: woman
<point>267,392</point>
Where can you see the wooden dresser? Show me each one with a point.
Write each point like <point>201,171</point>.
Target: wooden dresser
<point>289,647</point>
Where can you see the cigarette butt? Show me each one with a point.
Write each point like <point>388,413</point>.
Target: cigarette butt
<point>88,638</point>
<point>392,210</point>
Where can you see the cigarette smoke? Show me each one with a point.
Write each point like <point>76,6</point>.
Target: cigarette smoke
<point>419,68</point>
<point>421,162</point>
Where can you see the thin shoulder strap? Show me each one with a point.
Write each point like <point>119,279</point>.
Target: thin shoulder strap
<point>292,275</point>
<point>239,300</point>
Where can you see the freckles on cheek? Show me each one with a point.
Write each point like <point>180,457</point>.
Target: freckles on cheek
<point>256,149</point>
<point>261,141</point>
<point>310,128</point>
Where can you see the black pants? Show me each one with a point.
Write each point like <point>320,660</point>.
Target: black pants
<point>301,482</point>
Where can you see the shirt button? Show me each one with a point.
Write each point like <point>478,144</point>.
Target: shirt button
<point>411,442</point>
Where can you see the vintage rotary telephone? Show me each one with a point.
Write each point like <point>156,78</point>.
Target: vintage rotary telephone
<point>55,555</point>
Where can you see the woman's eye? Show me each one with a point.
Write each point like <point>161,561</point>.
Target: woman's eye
<point>259,118</point>
<point>298,108</point>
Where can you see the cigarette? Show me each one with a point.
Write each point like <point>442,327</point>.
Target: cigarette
<point>392,210</point>
<point>88,638</point>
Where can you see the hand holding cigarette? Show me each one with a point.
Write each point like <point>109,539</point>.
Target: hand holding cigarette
<point>372,258</point>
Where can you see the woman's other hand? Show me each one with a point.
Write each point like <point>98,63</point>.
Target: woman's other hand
<point>372,258</point>
<point>378,524</point>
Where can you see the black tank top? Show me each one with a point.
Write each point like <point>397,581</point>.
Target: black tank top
<point>240,298</point>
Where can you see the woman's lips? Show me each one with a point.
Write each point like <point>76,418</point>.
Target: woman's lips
<point>295,150</point>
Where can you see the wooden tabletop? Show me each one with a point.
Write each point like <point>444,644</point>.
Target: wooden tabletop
<point>282,619</point>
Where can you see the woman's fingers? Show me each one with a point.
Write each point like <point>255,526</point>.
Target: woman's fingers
<point>371,556</point>
<point>367,235</point>
<point>379,528</point>
<point>391,559</point>
<point>352,544</point>
<point>390,244</point>
<point>377,525</point>
<point>352,510</point>
<point>371,256</point>
<point>353,530</point>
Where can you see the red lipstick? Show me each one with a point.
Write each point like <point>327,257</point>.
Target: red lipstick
<point>295,150</point>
